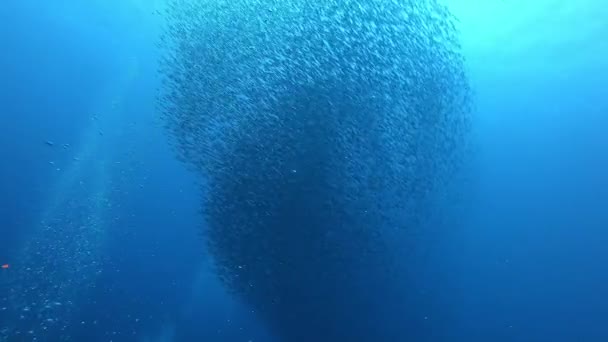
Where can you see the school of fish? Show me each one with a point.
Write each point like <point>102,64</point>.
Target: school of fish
<point>319,128</point>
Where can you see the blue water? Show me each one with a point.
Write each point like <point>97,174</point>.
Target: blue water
<point>82,145</point>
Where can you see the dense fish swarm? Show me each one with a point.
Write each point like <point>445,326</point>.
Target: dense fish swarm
<point>318,126</point>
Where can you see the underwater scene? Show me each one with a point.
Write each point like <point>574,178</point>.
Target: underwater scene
<point>302,171</point>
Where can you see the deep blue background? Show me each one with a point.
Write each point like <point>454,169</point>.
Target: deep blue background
<point>527,264</point>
